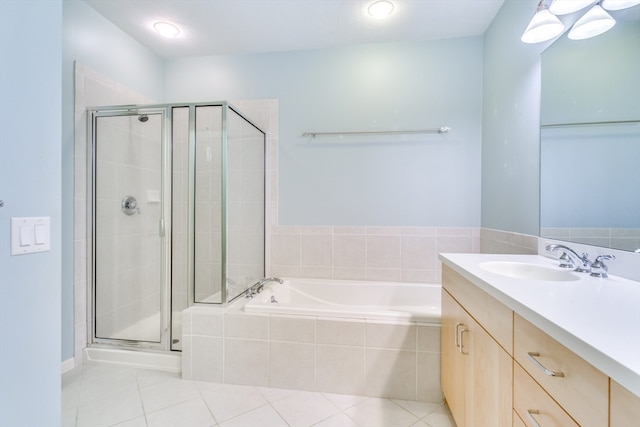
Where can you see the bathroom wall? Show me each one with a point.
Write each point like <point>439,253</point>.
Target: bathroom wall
<point>30,173</point>
<point>90,39</point>
<point>426,180</point>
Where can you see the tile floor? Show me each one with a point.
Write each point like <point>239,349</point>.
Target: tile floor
<point>101,395</point>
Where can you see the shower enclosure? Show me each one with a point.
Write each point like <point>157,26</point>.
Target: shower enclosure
<point>176,216</point>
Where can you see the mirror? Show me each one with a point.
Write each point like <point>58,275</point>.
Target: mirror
<point>590,138</point>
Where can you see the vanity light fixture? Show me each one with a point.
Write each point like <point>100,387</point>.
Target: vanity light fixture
<point>619,4</point>
<point>380,9</point>
<point>166,29</point>
<point>543,26</point>
<point>593,23</point>
<point>564,7</point>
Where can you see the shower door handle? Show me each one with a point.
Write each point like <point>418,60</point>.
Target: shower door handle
<point>161,230</point>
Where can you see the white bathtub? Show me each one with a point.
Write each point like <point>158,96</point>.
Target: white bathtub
<point>392,301</point>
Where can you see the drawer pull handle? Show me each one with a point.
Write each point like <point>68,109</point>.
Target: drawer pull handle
<point>532,356</point>
<point>530,413</point>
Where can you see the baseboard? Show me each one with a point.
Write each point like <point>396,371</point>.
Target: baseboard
<point>68,365</point>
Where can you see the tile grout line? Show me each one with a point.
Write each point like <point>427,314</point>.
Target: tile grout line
<point>144,412</point>
<point>215,420</point>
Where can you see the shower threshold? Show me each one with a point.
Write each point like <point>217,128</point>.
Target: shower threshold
<point>166,361</point>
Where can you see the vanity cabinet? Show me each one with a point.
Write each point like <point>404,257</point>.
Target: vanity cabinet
<point>476,370</point>
<point>498,369</point>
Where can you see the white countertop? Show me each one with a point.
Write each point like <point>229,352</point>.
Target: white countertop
<point>598,319</point>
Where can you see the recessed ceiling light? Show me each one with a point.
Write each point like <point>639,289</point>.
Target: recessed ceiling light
<point>380,9</point>
<point>166,29</point>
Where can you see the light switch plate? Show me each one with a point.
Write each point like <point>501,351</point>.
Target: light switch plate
<point>30,235</point>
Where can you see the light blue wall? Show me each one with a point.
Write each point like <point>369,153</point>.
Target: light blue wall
<point>411,181</point>
<point>30,174</point>
<point>98,44</point>
<point>511,123</point>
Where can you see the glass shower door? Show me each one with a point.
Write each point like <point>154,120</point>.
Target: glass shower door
<point>128,232</point>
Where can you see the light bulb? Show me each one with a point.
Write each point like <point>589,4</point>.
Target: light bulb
<point>380,9</point>
<point>166,29</point>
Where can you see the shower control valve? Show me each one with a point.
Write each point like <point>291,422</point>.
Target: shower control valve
<point>130,205</point>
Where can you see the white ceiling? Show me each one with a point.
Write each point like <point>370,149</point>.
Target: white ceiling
<point>212,27</point>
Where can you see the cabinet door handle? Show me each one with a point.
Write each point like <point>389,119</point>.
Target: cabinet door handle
<point>462,331</point>
<point>530,413</point>
<point>532,356</point>
<point>457,332</point>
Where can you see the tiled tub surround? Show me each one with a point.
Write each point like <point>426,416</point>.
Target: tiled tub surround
<point>399,254</point>
<point>348,356</point>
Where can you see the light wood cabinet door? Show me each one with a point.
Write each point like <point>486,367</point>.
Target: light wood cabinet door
<point>476,372</point>
<point>452,360</point>
<point>491,380</point>
<point>625,407</point>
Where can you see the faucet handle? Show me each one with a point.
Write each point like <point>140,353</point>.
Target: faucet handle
<point>599,268</point>
<point>566,261</point>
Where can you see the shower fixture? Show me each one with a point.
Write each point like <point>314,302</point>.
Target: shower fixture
<point>143,118</point>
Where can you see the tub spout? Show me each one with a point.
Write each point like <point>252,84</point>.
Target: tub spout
<point>258,287</point>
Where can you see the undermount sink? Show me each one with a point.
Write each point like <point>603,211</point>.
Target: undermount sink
<point>523,270</point>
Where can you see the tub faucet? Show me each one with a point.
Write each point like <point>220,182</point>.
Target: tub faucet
<point>570,259</point>
<point>258,287</point>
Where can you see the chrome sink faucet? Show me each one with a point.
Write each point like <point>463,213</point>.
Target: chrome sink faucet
<point>570,259</point>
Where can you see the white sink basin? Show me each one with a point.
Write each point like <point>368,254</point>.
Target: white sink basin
<point>523,270</point>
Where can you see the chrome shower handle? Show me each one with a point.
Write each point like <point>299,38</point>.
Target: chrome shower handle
<point>129,205</point>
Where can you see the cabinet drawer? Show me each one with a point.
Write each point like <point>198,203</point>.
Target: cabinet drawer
<point>578,387</point>
<point>494,317</point>
<point>533,404</point>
